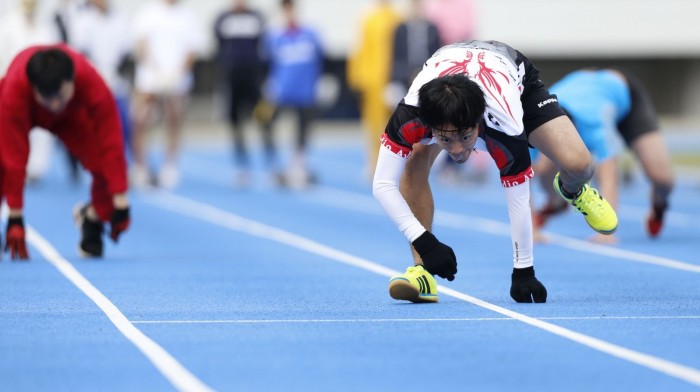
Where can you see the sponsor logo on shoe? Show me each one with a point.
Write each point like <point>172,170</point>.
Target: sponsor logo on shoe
<point>424,285</point>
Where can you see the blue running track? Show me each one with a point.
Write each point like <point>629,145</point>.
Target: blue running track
<point>266,290</point>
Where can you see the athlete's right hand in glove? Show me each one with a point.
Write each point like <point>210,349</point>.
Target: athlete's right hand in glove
<point>438,258</point>
<point>15,242</point>
<point>119,222</point>
<point>525,287</point>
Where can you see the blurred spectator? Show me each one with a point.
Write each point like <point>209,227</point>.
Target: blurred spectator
<point>63,19</point>
<point>296,61</point>
<point>168,39</point>
<point>19,29</point>
<point>455,19</point>
<point>63,25</point>
<point>239,32</point>
<point>101,33</point>
<point>605,104</point>
<point>415,40</point>
<point>369,69</point>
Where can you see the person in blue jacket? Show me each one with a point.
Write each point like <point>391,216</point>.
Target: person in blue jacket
<point>611,109</point>
<point>295,57</point>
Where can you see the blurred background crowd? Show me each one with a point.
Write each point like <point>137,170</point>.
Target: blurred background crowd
<point>237,66</point>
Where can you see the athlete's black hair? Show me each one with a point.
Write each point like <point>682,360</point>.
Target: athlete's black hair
<point>48,69</point>
<point>451,99</point>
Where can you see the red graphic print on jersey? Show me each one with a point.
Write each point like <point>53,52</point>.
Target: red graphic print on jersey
<point>501,157</point>
<point>485,75</point>
<point>413,132</point>
<point>458,67</point>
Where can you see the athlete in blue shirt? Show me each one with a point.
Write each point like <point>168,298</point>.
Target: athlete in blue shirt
<point>296,61</point>
<point>605,104</point>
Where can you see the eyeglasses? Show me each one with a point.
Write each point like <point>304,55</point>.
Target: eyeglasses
<point>458,130</point>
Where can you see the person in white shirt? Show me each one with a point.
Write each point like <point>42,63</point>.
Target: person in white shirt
<point>168,39</point>
<point>20,29</point>
<point>101,32</point>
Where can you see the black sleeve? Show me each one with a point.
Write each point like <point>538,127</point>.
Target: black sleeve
<point>405,127</point>
<point>511,154</point>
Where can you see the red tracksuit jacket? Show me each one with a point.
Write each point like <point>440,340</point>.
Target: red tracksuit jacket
<point>89,127</point>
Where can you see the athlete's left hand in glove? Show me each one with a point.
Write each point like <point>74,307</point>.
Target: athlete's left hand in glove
<point>119,222</point>
<point>525,287</point>
<point>15,242</point>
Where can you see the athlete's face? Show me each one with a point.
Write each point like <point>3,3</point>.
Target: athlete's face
<point>57,102</point>
<point>459,143</point>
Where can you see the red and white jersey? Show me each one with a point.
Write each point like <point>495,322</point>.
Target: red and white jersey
<point>503,75</point>
<point>497,69</point>
<point>517,102</point>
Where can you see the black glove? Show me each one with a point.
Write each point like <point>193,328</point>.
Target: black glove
<point>15,242</point>
<point>119,222</point>
<point>438,258</point>
<point>525,287</point>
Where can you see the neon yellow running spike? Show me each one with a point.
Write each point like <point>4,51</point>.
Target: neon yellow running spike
<point>415,285</point>
<point>597,211</point>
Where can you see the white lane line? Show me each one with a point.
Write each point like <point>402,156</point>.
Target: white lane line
<point>319,321</point>
<point>412,320</point>
<point>669,368</point>
<point>672,218</point>
<point>367,205</point>
<point>168,366</point>
<point>199,168</point>
<point>587,246</point>
<point>458,221</point>
<point>216,216</point>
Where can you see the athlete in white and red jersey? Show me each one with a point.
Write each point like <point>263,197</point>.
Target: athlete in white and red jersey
<point>479,95</point>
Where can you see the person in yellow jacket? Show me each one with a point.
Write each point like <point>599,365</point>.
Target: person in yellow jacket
<point>369,71</point>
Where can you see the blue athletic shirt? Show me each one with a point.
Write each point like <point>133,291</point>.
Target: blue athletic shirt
<point>597,101</point>
<point>296,61</point>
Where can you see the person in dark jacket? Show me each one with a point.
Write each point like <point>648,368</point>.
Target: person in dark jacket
<point>239,32</point>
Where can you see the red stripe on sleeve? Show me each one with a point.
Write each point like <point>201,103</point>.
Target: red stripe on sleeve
<point>509,181</point>
<point>394,147</point>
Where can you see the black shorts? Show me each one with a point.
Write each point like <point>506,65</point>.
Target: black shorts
<point>642,117</point>
<point>512,154</point>
<point>539,105</point>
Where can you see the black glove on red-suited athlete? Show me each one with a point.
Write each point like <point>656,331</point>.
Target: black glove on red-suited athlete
<point>438,258</point>
<point>15,242</point>
<point>119,222</point>
<point>525,287</point>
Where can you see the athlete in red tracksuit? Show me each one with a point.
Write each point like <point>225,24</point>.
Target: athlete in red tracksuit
<point>55,88</point>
